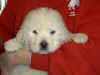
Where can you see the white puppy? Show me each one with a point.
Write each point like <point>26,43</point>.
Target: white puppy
<point>43,31</point>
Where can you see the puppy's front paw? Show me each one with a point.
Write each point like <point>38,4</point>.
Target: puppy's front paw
<point>12,45</point>
<point>80,38</point>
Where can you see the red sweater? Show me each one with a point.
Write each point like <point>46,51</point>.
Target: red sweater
<point>71,58</point>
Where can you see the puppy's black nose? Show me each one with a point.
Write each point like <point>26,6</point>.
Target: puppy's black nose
<point>44,45</point>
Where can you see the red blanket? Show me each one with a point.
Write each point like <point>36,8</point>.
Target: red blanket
<point>70,59</point>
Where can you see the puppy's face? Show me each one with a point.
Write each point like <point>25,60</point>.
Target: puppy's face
<point>44,31</point>
<point>44,40</point>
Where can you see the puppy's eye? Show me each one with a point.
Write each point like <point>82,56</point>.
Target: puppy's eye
<point>35,32</point>
<point>53,32</point>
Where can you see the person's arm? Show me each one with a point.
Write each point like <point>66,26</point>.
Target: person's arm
<point>9,60</point>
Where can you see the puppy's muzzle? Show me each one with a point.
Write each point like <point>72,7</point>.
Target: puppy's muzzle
<point>43,45</point>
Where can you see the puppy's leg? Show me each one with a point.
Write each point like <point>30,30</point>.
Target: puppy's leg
<point>12,45</point>
<point>80,38</point>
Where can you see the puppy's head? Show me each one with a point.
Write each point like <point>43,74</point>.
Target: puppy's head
<point>44,30</point>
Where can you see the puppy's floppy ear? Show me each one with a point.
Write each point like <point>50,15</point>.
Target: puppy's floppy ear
<point>12,45</point>
<point>16,43</point>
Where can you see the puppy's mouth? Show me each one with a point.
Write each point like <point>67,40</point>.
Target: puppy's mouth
<point>43,50</point>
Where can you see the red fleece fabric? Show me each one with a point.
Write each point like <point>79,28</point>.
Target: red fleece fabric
<point>71,58</point>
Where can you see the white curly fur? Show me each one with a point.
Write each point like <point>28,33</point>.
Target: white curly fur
<point>44,21</point>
